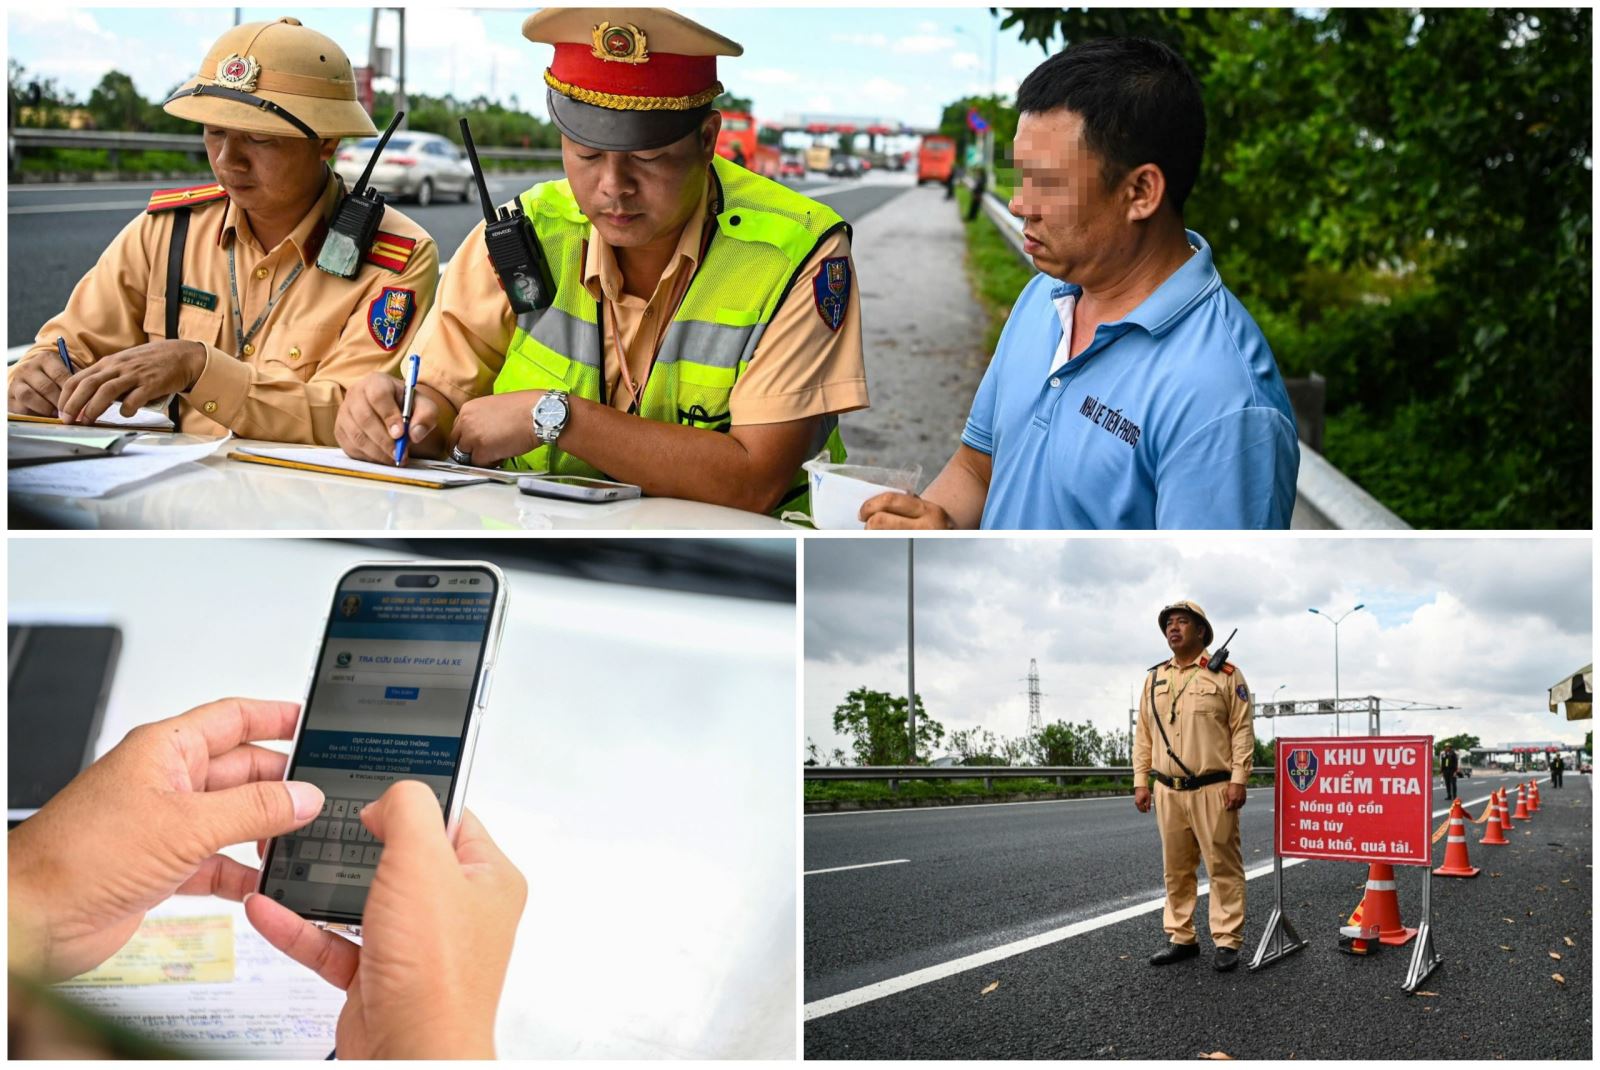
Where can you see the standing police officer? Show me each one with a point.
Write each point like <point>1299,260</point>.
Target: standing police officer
<point>1200,722</point>
<point>213,296</point>
<point>705,331</point>
<point>1449,769</point>
<point>1558,765</point>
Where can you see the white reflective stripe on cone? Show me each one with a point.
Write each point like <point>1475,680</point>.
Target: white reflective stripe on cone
<point>1380,886</point>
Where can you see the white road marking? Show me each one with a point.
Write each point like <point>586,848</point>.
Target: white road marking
<point>917,978</point>
<point>96,206</point>
<point>864,865</point>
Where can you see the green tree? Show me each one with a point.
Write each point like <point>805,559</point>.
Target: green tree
<point>875,722</point>
<point>1061,743</point>
<point>729,102</point>
<point>1265,755</point>
<point>1401,198</point>
<point>1462,743</point>
<point>115,104</point>
<point>1117,748</point>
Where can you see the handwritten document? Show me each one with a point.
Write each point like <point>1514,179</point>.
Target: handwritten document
<point>273,1008</point>
<point>170,951</point>
<point>101,476</point>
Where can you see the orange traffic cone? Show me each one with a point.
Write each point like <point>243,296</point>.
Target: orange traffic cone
<point>1533,796</point>
<point>1522,803</point>
<point>1492,836</point>
<point>1456,863</point>
<point>1381,907</point>
<point>1505,813</point>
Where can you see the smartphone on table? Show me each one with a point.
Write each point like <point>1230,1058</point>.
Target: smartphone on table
<point>397,691</point>
<point>577,488</point>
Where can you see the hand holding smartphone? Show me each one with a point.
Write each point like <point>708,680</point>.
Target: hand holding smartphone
<point>397,692</point>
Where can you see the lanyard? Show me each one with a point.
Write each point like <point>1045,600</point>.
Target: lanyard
<point>680,290</point>
<point>241,337</point>
<point>1194,670</point>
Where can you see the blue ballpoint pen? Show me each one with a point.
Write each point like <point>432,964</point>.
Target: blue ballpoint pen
<point>401,443</point>
<point>61,348</point>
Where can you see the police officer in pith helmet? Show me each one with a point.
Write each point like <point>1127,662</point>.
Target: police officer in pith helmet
<point>704,333</point>
<point>212,297</point>
<point>1195,739</point>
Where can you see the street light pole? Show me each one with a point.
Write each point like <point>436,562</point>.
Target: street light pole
<point>911,646</point>
<point>1273,702</point>
<point>1336,622</point>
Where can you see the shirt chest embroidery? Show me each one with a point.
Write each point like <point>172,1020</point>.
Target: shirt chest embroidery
<point>1110,420</point>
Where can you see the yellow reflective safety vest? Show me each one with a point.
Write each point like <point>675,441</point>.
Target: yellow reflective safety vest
<point>764,233</point>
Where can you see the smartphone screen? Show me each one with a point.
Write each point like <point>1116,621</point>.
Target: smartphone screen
<point>391,698</point>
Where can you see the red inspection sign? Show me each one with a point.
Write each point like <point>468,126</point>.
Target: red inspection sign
<point>1356,799</point>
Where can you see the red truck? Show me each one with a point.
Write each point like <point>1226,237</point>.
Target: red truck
<point>738,142</point>
<point>936,159</point>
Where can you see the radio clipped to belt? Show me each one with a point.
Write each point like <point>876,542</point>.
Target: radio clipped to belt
<point>513,246</point>
<point>355,223</point>
<point>1190,779</point>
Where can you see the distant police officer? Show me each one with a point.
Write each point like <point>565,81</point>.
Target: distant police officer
<point>705,331</point>
<point>1449,769</point>
<point>240,325</point>
<point>1558,766</point>
<point>1195,737</point>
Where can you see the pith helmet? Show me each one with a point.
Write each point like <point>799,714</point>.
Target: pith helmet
<point>1193,610</point>
<point>628,79</point>
<point>277,78</point>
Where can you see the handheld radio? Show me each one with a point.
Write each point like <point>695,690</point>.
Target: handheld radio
<point>356,221</point>
<point>513,246</point>
<point>1220,658</point>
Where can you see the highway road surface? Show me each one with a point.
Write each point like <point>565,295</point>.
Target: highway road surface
<point>911,914</point>
<point>56,232</point>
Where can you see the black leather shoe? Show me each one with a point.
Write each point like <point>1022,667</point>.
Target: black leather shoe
<point>1226,959</point>
<point>1174,953</point>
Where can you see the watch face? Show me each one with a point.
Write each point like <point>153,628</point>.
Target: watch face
<point>549,410</point>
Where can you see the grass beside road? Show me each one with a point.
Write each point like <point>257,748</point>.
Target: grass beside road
<point>997,274</point>
<point>872,791</point>
<point>98,161</point>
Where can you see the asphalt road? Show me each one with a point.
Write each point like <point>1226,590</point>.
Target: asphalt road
<point>57,232</point>
<point>980,878</point>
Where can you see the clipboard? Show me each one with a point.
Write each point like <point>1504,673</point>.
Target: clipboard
<point>165,426</point>
<point>334,462</point>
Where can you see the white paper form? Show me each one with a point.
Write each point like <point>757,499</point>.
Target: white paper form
<point>100,476</point>
<point>334,457</point>
<point>274,1008</point>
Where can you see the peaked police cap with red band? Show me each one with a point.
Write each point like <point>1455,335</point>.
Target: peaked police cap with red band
<point>628,79</point>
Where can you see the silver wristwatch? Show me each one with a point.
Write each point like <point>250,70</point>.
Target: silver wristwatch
<point>550,415</point>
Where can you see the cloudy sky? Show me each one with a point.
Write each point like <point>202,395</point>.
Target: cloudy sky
<point>900,63</point>
<point>1486,625</point>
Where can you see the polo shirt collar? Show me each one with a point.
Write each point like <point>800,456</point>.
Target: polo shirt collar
<point>1185,288</point>
<point>307,235</point>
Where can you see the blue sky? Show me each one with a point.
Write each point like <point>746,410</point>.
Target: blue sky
<point>899,63</point>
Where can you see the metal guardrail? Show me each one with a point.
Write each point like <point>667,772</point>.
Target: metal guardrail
<point>1325,498</point>
<point>987,773</point>
<point>119,141</point>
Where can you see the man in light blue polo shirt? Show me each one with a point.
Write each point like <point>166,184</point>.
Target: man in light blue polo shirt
<point>1139,394</point>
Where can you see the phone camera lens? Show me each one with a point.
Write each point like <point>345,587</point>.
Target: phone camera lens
<point>433,581</point>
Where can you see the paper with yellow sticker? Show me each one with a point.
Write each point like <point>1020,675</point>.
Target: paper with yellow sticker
<point>170,950</point>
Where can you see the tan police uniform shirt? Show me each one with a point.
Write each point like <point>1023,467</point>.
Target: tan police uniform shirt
<point>1212,731</point>
<point>288,383</point>
<point>800,368</point>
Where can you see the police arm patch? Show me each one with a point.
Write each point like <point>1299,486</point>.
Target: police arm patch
<point>831,291</point>
<point>1244,696</point>
<point>389,315</point>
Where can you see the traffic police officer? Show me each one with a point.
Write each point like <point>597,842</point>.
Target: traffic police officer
<point>1449,768</point>
<point>1200,722</point>
<point>1558,765</point>
<point>719,305</point>
<point>240,326</point>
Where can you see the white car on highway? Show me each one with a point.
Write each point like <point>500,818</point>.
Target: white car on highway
<point>417,166</point>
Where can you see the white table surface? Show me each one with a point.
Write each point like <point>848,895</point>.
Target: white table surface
<point>637,762</point>
<point>222,493</point>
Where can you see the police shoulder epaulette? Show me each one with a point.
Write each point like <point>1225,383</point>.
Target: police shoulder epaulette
<point>162,199</point>
<point>1227,667</point>
<point>391,251</point>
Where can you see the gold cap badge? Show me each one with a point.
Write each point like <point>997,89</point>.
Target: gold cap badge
<point>238,72</point>
<point>620,44</point>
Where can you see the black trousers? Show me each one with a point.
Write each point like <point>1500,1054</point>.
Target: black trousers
<point>1449,786</point>
<point>1555,777</point>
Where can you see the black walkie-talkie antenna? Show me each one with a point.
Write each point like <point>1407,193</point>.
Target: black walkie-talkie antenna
<point>477,172</point>
<point>1220,658</point>
<point>372,161</point>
